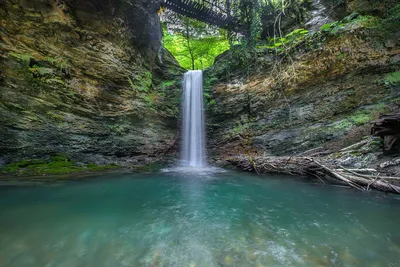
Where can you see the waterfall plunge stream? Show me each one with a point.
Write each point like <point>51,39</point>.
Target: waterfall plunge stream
<point>193,137</point>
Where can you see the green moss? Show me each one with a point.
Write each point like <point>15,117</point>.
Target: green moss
<point>59,157</point>
<point>345,124</point>
<point>55,116</point>
<point>55,80</point>
<point>396,101</point>
<point>392,78</point>
<point>391,23</point>
<point>241,128</point>
<point>209,81</point>
<point>58,164</point>
<point>142,82</point>
<point>394,13</point>
<point>361,118</point>
<point>148,75</point>
<point>341,55</point>
<point>368,115</point>
<point>364,21</point>
<point>167,84</point>
<point>58,62</point>
<point>16,166</point>
<point>24,58</point>
<point>41,71</point>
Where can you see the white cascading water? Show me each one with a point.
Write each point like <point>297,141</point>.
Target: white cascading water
<point>193,139</point>
<point>319,16</point>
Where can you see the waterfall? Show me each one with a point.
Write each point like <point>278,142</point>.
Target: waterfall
<point>319,16</point>
<point>193,139</point>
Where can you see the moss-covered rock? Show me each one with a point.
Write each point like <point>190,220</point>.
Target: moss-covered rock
<point>322,90</point>
<point>57,164</point>
<point>84,78</point>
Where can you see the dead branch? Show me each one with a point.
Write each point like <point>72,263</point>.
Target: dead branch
<point>360,179</point>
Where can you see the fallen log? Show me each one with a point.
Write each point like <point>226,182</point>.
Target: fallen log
<point>362,179</point>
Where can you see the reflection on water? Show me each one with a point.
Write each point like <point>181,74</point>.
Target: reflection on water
<point>197,219</point>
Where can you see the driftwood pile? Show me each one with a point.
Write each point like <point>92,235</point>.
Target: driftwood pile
<point>361,179</point>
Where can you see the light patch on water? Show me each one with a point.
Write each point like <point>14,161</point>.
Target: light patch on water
<point>194,171</point>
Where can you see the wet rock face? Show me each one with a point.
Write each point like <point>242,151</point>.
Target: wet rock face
<point>378,8</point>
<point>323,97</point>
<point>138,16</point>
<point>85,78</point>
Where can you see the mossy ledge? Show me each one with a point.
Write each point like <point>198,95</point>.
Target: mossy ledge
<point>55,165</point>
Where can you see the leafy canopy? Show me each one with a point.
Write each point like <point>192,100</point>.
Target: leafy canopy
<point>193,43</point>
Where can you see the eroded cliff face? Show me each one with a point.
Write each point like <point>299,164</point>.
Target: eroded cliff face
<point>85,78</point>
<point>323,93</point>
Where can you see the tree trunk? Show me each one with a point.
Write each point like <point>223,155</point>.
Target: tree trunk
<point>189,47</point>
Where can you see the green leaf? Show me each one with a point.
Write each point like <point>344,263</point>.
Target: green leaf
<point>325,27</point>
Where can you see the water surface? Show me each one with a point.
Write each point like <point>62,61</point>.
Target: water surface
<point>197,219</point>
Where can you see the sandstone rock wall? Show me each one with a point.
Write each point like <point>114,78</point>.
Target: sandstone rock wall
<point>323,93</point>
<point>85,78</point>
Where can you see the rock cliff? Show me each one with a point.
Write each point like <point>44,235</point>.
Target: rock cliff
<point>88,79</point>
<point>322,92</point>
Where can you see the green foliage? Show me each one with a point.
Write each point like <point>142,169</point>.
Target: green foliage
<point>353,20</point>
<point>333,28</point>
<point>148,78</point>
<point>209,81</point>
<point>297,33</point>
<point>193,46</point>
<point>209,102</point>
<point>242,57</point>
<point>394,13</point>
<point>325,27</point>
<point>58,164</point>
<point>390,24</point>
<point>249,13</point>
<point>290,39</point>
